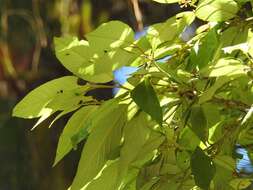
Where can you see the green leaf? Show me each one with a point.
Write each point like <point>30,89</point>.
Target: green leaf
<point>103,141</point>
<point>226,162</point>
<point>110,35</point>
<point>188,139</point>
<point>183,159</point>
<point>107,179</point>
<point>145,97</point>
<point>147,152</point>
<point>149,185</point>
<point>108,48</point>
<point>241,184</point>
<point>212,114</point>
<point>207,49</point>
<point>216,10</point>
<point>35,103</point>
<point>225,167</point>
<point>136,134</point>
<point>246,137</point>
<point>167,1</point>
<point>169,30</point>
<point>202,169</point>
<point>209,93</point>
<point>226,67</point>
<point>63,94</point>
<point>198,122</point>
<point>81,61</point>
<point>79,120</point>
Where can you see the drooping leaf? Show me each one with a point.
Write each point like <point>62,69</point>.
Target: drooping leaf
<point>198,122</point>
<point>145,97</point>
<point>206,50</point>
<point>216,10</point>
<point>41,96</point>
<point>202,168</point>
<point>135,135</point>
<point>225,167</point>
<point>79,121</point>
<point>107,179</point>
<point>63,94</point>
<point>103,141</point>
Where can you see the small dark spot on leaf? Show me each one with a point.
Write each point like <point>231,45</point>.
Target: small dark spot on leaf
<point>105,51</point>
<point>60,91</point>
<point>67,54</point>
<point>81,82</point>
<point>80,102</point>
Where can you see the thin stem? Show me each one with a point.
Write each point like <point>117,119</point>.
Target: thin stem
<point>107,86</point>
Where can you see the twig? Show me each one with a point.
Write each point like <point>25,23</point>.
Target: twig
<point>138,14</point>
<point>231,103</point>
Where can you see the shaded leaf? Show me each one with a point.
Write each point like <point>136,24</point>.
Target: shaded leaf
<point>202,169</point>
<point>145,97</point>
<point>198,122</point>
<point>188,139</point>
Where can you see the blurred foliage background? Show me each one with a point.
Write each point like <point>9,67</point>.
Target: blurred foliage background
<point>27,59</point>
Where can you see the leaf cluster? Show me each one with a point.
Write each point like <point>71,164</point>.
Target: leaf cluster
<point>175,123</point>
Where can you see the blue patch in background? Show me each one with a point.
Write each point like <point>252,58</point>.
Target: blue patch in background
<point>244,164</point>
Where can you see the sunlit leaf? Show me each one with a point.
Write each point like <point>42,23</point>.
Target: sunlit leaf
<point>169,30</point>
<point>41,96</point>
<point>79,121</point>
<point>226,67</point>
<point>107,179</point>
<point>216,10</point>
<point>101,144</point>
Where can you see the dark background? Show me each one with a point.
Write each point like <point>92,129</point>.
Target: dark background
<point>27,60</point>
